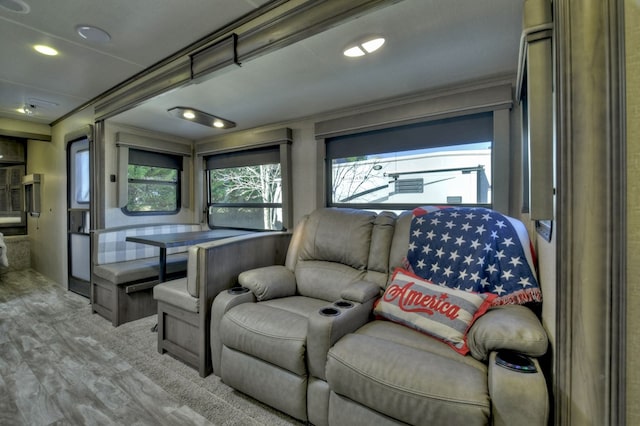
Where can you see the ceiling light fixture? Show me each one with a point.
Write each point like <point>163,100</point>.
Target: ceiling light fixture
<point>364,47</point>
<point>17,6</point>
<point>200,117</point>
<point>27,109</point>
<point>93,34</point>
<point>45,50</point>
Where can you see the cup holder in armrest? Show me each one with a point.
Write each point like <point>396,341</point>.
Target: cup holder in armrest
<point>515,361</point>
<point>238,290</point>
<point>329,311</point>
<point>344,304</point>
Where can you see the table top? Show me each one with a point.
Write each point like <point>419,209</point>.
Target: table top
<point>178,239</point>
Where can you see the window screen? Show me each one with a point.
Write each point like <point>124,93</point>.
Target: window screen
<point>439,162</point>
<point>153,183</point>
<point>245,189</point>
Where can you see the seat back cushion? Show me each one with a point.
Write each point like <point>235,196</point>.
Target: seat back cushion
<point>110,245</point>
<point>381,236</point>
<point>334,251</point>
<point>338,235</point>
<point>400,241</point>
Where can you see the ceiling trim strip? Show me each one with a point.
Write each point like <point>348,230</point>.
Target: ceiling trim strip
<point>277,27</point>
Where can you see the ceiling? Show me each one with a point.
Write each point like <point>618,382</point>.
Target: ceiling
<point>429,44</point>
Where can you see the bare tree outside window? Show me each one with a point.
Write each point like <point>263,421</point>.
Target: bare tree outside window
<point>357,179</point>
<point>247,197</point>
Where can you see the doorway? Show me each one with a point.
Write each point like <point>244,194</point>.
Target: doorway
<point>78,216</point>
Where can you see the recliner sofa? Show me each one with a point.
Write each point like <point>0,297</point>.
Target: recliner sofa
<point>302,338</point>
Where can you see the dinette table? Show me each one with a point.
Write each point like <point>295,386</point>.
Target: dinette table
<point>181,239</point>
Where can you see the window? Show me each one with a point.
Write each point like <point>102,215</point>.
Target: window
<point>81,178</point>
<point>153,183</point>
<point>440,162</point>
<point>245,189</point>
<point>12,170</point>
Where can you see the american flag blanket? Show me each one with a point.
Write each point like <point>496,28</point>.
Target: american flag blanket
<point>474,249</point>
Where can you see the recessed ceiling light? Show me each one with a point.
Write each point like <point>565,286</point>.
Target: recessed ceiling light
<point>354,52</point>
<point>200,117</point>
<point>93,34</point>
<point>45,50</point>
<point>17,6</point>
<point>364,47</point>
<point>27,109</point>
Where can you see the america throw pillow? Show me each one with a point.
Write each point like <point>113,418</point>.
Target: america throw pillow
<point>441,312</point>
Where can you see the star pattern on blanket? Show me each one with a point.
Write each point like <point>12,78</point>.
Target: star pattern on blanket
<point>472,249</point>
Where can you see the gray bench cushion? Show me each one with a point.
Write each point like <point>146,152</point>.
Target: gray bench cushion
<point>140,269</point>
<point>175,293</point>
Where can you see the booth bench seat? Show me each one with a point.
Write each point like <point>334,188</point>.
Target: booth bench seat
<point>123,273</point>
<point>140,269</point>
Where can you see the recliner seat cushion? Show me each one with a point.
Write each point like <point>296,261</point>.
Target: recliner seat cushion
<point>408,383</point>
<point>274,332</point>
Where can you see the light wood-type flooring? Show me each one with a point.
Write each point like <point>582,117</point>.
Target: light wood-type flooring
<point>53,372</point>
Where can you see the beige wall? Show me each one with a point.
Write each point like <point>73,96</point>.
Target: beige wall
<point>47,233</point>
<point>632,42</point>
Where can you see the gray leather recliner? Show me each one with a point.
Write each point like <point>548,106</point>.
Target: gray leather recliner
<point>301,337</point>
<point>271,342</point>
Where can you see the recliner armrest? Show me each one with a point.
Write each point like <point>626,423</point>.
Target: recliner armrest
<point>224,301</point>
<point>361,291</point>
<point>330,324</point>
<point>511,327</point>
<point>269,282</point>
